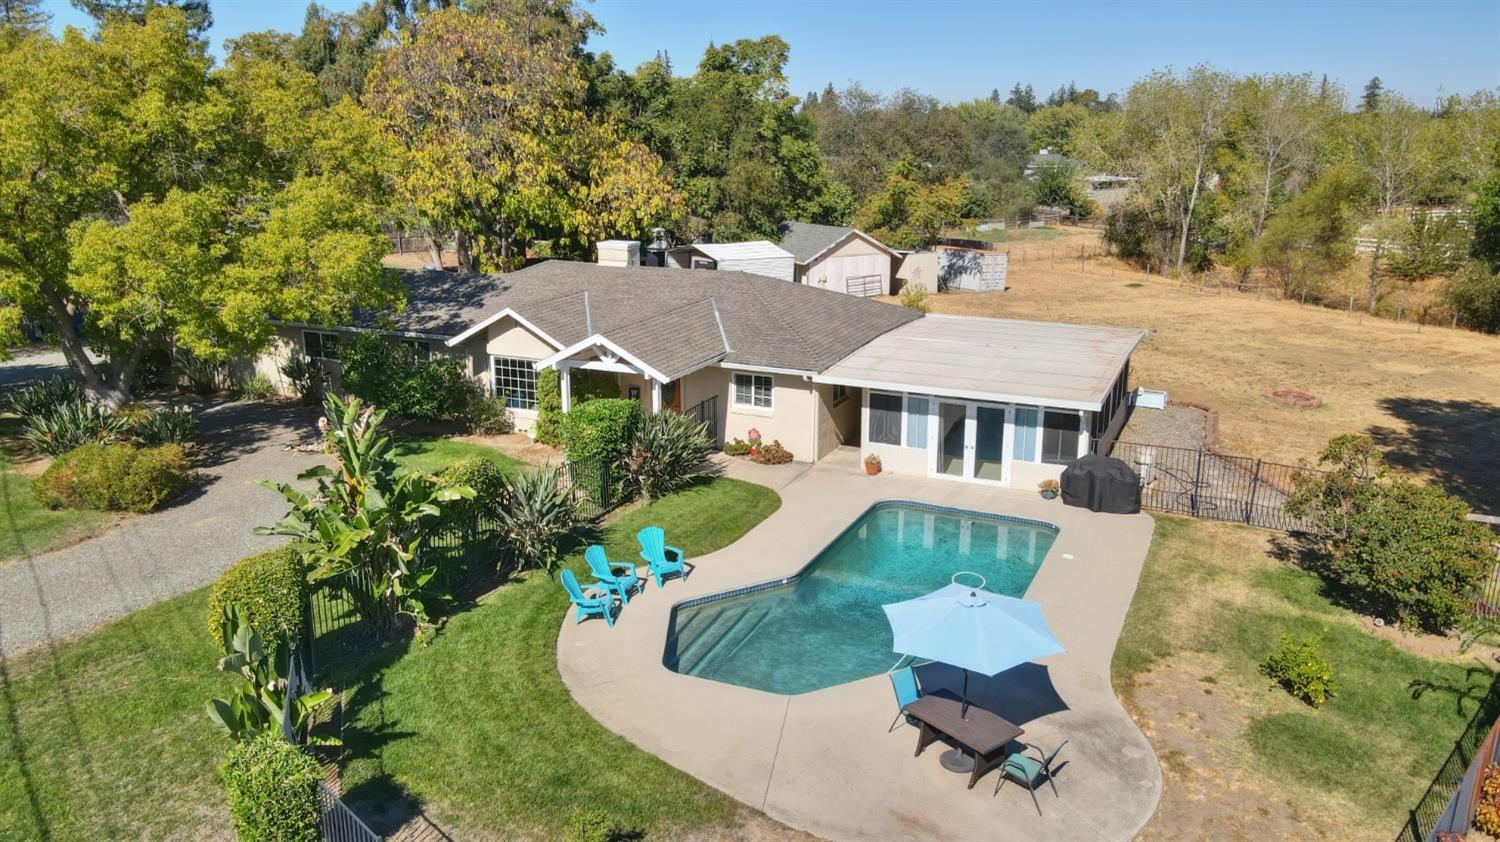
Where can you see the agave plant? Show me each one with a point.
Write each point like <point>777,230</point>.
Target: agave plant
<point>370,515</point>
<point>306,376</point>
<point>71,425</point>
<point>536,513</point>
<point>261,703</point>
<point>41,397</point>
<point>670,451</point>
<point>173,425</point>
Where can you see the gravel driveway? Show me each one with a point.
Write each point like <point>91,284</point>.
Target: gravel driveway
<point>151,557</point>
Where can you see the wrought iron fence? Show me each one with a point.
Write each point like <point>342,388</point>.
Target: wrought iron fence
<point>1423,818</point>
<point>338,823</point>
<point>1205,484</point>
<point>706,411</point>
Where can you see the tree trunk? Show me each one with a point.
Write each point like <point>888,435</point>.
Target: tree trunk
<point>1187,218</point>
<point>95,383</point>
<point>435,250</point>
<point>465,257</point>
<point>1375,278</point>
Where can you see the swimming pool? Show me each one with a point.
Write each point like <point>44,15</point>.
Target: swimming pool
<point>824,626</point>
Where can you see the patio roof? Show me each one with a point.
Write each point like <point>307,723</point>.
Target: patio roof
<point>1002,360</point>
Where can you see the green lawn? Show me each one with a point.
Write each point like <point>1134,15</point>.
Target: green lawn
<point>1210,595</point>
<point>26,528</point>
<point>478,726</point>
<point>104,736</point>
<point>433,454</point>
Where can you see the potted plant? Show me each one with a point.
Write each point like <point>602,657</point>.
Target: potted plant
<point>754,436</point>
<point>872,464</point>
<point>1048,488</point>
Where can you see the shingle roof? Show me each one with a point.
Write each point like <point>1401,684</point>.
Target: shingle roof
<point>806,240</point>
<point>665,317</point>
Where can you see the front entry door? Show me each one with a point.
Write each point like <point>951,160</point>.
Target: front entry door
<point>971,442</point>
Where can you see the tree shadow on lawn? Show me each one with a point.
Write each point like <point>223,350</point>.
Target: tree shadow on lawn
<point>1457,442</point>
<point>382,802</point>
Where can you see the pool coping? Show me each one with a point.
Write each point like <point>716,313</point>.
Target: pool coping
<point>824,761</point>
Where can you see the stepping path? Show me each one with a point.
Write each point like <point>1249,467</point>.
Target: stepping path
<point>151,557</point>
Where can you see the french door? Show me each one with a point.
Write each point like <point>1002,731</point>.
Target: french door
<point>970,443</point>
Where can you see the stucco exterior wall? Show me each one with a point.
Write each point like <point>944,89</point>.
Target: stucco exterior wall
<point>838,421</point>
<point>792,418</point>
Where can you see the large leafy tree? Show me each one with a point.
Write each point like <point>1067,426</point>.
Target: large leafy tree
<point>157,201</point>
<point>908,212</point>
<point>199,17</point>
<point>498,146</point>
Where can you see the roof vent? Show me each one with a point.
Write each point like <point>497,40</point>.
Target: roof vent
<point>619,252</point>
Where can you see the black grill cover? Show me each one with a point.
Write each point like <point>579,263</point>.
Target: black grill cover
<point>1101,484</point>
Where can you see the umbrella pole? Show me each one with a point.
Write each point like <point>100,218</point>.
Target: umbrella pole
<point>956,759</point>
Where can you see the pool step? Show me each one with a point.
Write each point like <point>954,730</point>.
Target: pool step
<point>707,623</point>
<point>734,635</point>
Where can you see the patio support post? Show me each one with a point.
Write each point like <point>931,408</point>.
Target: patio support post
<point>565,386</point>
<point>656,396</point>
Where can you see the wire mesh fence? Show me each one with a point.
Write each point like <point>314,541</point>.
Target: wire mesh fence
<point>1203,483</point>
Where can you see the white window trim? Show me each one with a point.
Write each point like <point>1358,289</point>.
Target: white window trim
<point>495,382</point>
<point>337,340</point>
<point>734,391</point>
<point>906,398</point>
<point>838,399</point>
<point>1041,435</point>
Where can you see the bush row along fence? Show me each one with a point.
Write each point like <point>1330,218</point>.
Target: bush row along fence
<point>342,620</point>
<point>1447,805</point>
<point>1202,483</point>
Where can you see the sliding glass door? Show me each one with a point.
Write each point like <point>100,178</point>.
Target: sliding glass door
<point>989,443</point>
<point>971,442</point>
<point>952,444</point>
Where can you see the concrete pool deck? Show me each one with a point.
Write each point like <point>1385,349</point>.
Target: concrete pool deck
<point>824,761</point>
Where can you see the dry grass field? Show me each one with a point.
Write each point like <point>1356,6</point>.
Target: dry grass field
<point>1429,397</point>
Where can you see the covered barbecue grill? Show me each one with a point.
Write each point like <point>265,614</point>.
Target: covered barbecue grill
<point>1101,484</point>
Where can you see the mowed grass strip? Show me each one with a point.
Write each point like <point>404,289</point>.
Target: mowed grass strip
<point>478,727</point>
<point>434,454</point>
<point>1210,592</point>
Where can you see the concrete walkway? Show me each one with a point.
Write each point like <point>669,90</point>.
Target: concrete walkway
<point>824,761</point>
<point>185,546</point>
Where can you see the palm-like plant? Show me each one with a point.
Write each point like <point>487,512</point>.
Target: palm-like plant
<point>536,513</point>
<point>261,703</point>
<point>369,515</point>
<point>71,425</point>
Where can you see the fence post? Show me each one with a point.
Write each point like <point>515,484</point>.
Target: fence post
<point>1254,486</point>
<point>1197,483</point>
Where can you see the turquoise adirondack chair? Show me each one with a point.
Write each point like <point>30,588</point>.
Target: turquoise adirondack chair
<point>904,683</point>
<point>588,605</point>
<point>662,559</point>
<point>616,576</point>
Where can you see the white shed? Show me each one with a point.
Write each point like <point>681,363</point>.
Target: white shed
<point>762,257</point>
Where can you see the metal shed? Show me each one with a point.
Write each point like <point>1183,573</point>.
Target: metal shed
<point>761,257</point>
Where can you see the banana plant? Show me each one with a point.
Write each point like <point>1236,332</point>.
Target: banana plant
<point>261,703</point>
<point>370,515</point>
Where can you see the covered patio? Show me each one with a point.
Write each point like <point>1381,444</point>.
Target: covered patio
<point>824,761</point>
<point>994,401</point>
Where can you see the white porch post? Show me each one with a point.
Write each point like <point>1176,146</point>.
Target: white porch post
<point>565,385</point>
<point>656,396</point>
<point>1083,433</point>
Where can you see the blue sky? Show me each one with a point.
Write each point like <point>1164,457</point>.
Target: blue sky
<point>961,50</point>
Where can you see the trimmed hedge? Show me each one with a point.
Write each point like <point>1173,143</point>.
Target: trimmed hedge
<point>273,790</point>
<point>271,587</point>
<point>601,429</point>
<point>114,477</point>
<point>585,385</point>
<point>484,477</point>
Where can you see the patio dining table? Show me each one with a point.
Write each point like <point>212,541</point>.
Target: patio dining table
<point>984,734</point>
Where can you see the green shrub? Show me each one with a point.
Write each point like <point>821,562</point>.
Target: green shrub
<point>914,295</point>
<point>737,447</point>
<point>585,386</point>
<point>1406,549</point>
<point>173,425</point>
<point>204,377</point>
<point>536,515</point>
<point>772,454</point>
<point>257,387</point>
<point>273,791</point>
<point>114,477</point>
<point>72,424</point>
<point>270,587</point>
<point>307,378</point>
<point>601,430</point>
<point>489,416</point>
<point>1300,669</point>
<point>393,378</point>
<point>668,453</point>
<point>41,397</point>
<point>595,826</point>
<point>484,477</point>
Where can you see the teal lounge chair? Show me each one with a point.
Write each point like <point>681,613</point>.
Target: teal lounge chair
<point>1029,771</point>
<point>590,603</point>
<point>615,576</point>
<point>662,559</point>
<point>904,682</point>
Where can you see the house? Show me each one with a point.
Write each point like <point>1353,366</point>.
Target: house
<point>983,400</point>
<point>760,257</point>
<point>839,258</point>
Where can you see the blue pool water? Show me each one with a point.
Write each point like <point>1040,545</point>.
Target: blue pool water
<point>826,627</point>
